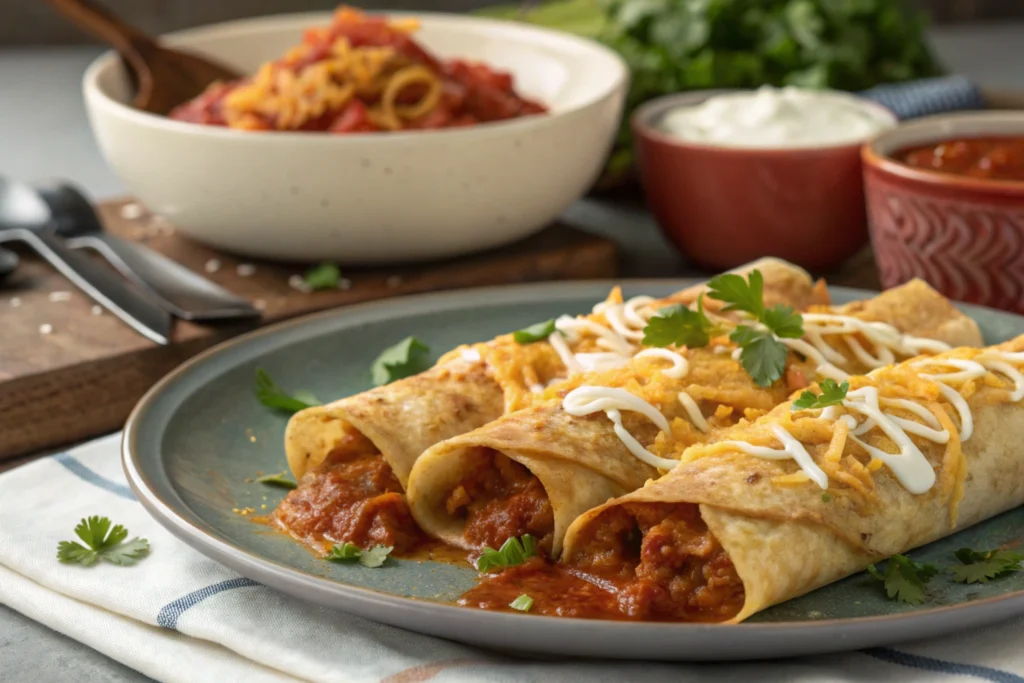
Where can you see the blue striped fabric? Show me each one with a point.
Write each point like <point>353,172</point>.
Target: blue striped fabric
<point>84,473</point>
<point>171,612</point>
<point>940,666</point>
<point>927,96</point>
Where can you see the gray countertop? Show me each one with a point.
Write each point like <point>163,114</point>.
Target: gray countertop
<point>44,133</point>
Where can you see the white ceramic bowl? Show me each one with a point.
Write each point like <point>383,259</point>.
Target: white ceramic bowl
<point>378,197</point>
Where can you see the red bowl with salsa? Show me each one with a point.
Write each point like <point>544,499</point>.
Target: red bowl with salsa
<point>946,204</point>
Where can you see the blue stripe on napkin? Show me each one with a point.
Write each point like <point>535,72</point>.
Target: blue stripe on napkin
<point>927,96</point>
<point>85,474</point>
<point>943,667</point>
<point>171,612</point>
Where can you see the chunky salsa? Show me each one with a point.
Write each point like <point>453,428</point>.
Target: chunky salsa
<point>360,74</point>
<point>989,158</point>
<point>643,561</point>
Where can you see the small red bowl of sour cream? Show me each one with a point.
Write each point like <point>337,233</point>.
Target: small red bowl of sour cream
<point>732,176</point>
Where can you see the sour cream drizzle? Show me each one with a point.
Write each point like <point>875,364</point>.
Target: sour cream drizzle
<point>910,466</point>
<point>628,319</point>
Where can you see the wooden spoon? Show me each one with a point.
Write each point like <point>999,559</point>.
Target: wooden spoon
<point>164,78</point>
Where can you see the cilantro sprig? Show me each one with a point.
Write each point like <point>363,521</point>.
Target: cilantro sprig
<point>323,276</point>
<point>278,479</point>
<point>981,566</point>
<point>103,542</point>
<point>534,333</point>
<point>677,325</point>
<point>763,356</point>
<point>512,552</point>
<point>904,579</point>
<point>349,552</point>
<point>408,357</point>
<point>831,394</point>
<point>272,395</point>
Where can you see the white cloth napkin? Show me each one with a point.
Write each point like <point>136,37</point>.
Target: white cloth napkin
<point>177,616</point>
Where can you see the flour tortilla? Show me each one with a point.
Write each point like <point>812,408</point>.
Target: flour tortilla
<point>403,419</point>
<point>581,462</point>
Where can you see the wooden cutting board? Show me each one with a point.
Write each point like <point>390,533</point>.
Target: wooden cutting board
<point>83,375</point>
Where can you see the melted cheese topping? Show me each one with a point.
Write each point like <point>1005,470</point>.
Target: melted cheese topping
<point>908,465</point>
<point>826,337</point>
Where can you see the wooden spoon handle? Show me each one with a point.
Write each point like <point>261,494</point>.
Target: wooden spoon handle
<point>103,25</point>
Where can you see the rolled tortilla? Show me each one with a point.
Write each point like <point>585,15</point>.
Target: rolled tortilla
<point>536,470</point>
<point>468,388</point>
<point>764,532</point>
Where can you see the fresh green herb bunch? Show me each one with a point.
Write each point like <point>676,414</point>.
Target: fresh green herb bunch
<point>677,45</point>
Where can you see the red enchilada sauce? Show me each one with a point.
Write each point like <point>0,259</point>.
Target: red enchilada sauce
<point>642,562</point>
<point>353,498</point>
<point>997,158</point>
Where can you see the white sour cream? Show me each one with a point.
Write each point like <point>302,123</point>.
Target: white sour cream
<point>772,118</point>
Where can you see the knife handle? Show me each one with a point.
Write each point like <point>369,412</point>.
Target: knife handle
<point>127,302</point>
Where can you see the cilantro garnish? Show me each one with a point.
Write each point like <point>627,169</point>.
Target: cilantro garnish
<point>272,395</point>
<point>279,479</point>
<point>979,567</point>
<point>904,579</point>
<point>826,497</point>
<point>512,552</point>
<point>534,333</point>
<point>346,552</point>
<point>104,543</point>
<point>323,276</point>
<point>763,356</point>
<point>677,325</point>
<point>523,603</point>
<point>408,357</point>
<point>831,394</point>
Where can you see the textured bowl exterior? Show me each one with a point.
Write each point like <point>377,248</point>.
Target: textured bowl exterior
<point>963,236</point>
<point>723,207</point>
<point>371,198</point>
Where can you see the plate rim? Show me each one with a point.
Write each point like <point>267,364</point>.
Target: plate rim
<point>777,637</point>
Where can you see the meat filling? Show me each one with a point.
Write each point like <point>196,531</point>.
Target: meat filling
<point>353,498</point>
<point>641,561</point>
<point>500,498</point>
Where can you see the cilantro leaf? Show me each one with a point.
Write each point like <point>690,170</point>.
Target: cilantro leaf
<point>273,396</point>
<point>408,357</point>
<point>512,552</point>
<point>739,294</point>
<point>535,333</point>
<point>343,552</point>
<point>128,553</point>
<point>831,394</point>
<point>279,479</point>
<point>763,356</point>
<point>102,543</point>
<point>677,325</point>
<point>323,276</point>
<point>904,579</point>
<point>979,567</point>
<point>375,556</point>
<point>523,603</point>
<point>783,321</point>
<point>347,552</point>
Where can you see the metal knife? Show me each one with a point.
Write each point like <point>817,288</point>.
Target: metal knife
<point>118,296</point>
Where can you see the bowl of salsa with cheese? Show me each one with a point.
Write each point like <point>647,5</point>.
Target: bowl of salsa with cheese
<point>945,199</point>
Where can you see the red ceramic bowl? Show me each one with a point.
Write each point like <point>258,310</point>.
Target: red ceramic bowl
<point>964,236</point>
<point>723,207</point>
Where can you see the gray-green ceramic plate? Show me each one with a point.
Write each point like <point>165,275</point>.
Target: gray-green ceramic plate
<point>196,438</point>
